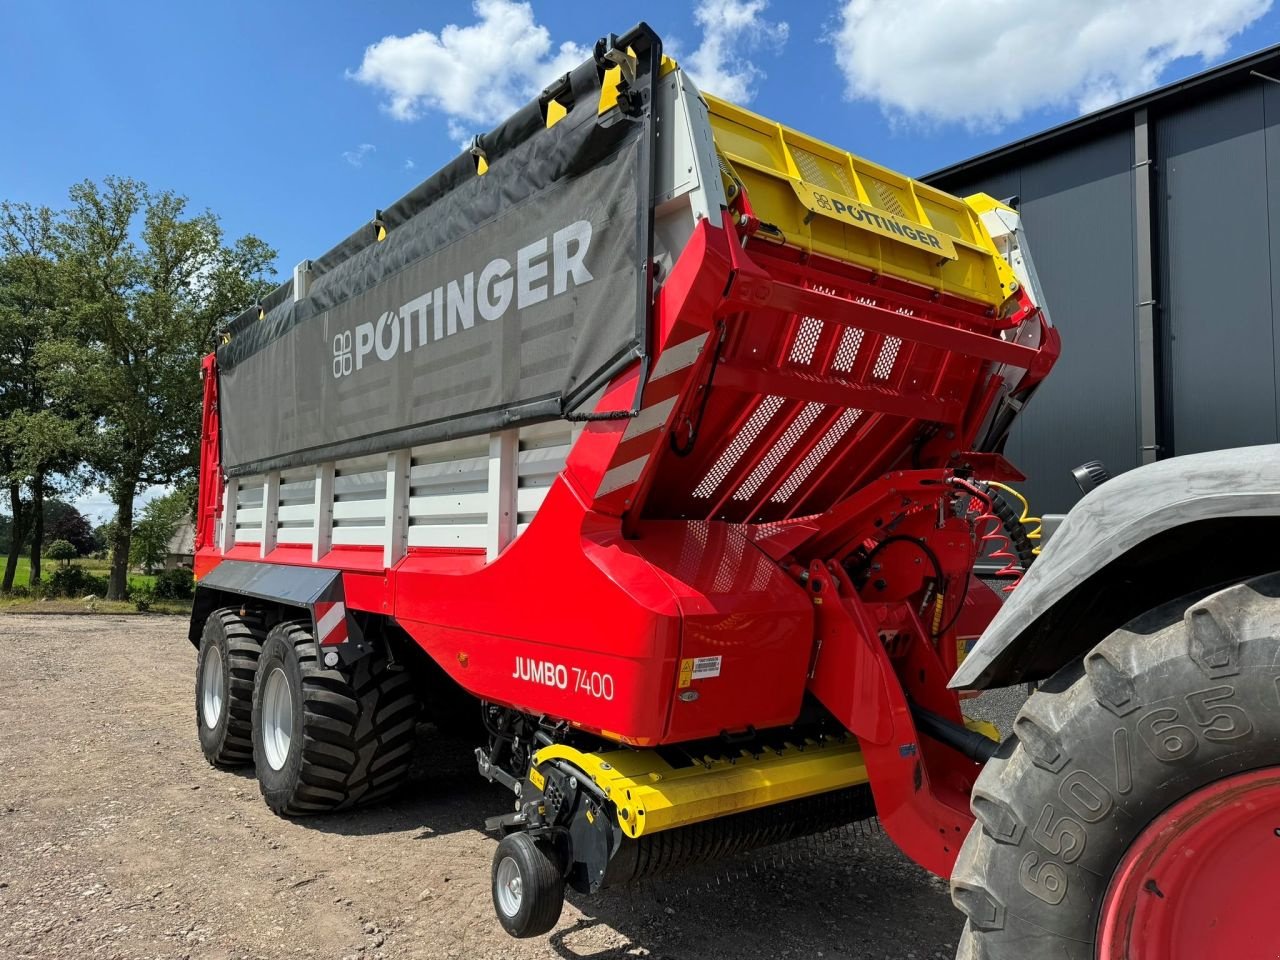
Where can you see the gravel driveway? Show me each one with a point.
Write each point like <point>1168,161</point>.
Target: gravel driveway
<point>117,840</point>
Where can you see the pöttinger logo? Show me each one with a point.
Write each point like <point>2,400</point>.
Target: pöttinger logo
<point>342,354</point>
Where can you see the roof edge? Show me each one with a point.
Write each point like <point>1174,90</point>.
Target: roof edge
<point>1214,75</point>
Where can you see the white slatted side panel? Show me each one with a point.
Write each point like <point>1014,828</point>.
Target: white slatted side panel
<point>248,516</point>
<point>360,500</point>
<point>448,490</point>
<point>296,513</point>
<point>543,451</point>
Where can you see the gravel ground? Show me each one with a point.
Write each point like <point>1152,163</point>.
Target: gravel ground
<point>118,841</point>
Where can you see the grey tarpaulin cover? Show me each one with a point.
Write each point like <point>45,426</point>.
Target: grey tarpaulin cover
<point>494,300</point>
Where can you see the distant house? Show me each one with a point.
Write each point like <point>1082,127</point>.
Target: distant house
<point>181,551</point>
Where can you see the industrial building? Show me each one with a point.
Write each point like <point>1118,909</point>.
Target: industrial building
<point>1155,228</point>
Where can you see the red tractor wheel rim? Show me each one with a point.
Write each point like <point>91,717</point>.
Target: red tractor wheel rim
<point>1200,882</point>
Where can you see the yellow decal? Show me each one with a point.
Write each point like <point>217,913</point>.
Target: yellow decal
<point>555,112</point>
<point>847,210</point>
<point>536,778</point>
<point>686,672</point>
<point>591,817</point>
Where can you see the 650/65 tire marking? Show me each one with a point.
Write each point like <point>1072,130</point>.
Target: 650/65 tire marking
<point>1167,738</point>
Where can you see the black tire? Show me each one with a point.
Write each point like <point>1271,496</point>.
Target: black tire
<point>1183,696</point>
<point>541,896</point>
<point>236,642</point>
<point>352,730</point>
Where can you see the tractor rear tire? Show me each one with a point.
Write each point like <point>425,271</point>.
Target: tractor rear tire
<point>1170,707</point>
<point>324,738</point>
<point>230,645</point>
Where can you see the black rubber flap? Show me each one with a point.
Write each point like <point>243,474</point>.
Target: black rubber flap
<point>493,300</point>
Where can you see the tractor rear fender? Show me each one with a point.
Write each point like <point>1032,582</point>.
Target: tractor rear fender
<point>1148,536</point>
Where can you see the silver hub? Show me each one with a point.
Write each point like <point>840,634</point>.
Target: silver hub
<point>509,887</point>
<point>277,718</point>
<point>211,695</point>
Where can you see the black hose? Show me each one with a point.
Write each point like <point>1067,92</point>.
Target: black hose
<point>969,742</point>
<point>1013,526</point>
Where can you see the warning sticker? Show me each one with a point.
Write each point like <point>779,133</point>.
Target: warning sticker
<point>704,667</point>
<point>686,672</point>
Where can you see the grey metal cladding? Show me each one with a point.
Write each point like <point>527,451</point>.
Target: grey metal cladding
<point>1076,208</point>
<point>1217,176</point>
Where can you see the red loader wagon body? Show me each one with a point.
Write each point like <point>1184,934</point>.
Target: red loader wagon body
<point>726,571</point>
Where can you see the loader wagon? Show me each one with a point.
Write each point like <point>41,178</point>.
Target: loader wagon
<point>648,440</point>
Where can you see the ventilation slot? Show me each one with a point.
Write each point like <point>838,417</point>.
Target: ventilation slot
<point>822,171</point>
<point>835,433</point>
<point>886,195</point>
<point>847,352</point>
<point>888,354</point>
<point>806,341</point>
<point>781,447</point>
<point>733,453</point>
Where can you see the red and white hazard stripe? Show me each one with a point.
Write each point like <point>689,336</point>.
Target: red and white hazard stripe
<point>666,382</point>
<point>331,623</point>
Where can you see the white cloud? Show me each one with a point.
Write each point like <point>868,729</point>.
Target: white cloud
<point>358,156</point>
<point>732,32</point>
<point>986,63</point>
<point>409,164</point>
<point>477,74</point>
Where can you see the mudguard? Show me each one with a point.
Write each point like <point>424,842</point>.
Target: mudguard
<point>1107,524</point>
<point>317,590</point>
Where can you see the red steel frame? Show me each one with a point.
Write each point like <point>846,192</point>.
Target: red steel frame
<point>768,446</point>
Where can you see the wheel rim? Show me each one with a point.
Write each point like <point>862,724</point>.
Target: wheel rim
<point>277,718</point>
<point>509,887</point>
<point>211,696</point>
<point>1199,882</point>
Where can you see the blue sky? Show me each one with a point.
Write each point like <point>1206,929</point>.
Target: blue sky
<point>295,121</point>
<point>251,109</point>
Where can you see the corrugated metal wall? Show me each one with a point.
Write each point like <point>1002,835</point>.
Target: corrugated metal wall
<point>1217,217</point>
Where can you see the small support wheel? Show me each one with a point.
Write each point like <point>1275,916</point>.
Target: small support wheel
<point>528,885</point>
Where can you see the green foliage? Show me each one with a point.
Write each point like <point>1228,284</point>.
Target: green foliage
<point>105,311</point>
<point>62,550</point>
<point>40,437</point>
<point>176,584</point>
<point>143,597</point>
<point>64,522</point>
<point>160,520</point>
<point>75,582</point>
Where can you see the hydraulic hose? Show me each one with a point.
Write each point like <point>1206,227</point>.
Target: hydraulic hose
<point>969,742</point>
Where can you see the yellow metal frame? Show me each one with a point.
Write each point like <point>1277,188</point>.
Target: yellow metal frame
<point>651,795</point>
<point>828,201</point>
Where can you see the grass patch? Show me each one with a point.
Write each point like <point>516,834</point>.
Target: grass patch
<point>97,606</point>
<point>99,568</point>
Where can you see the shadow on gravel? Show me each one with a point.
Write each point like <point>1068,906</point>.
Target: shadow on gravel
<point>841,895</point>
<point>444,795</point>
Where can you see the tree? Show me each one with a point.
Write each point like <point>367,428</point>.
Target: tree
<point>146,284</point>
<point>39,438</point>
<point>62,521</point>
<point>160,520</point>
<point>62,550</point>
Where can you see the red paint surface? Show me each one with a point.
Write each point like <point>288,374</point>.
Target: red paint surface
<point>1200,882</point>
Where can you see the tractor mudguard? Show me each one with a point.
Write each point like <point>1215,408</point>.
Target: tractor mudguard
<point>1111,523</point>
